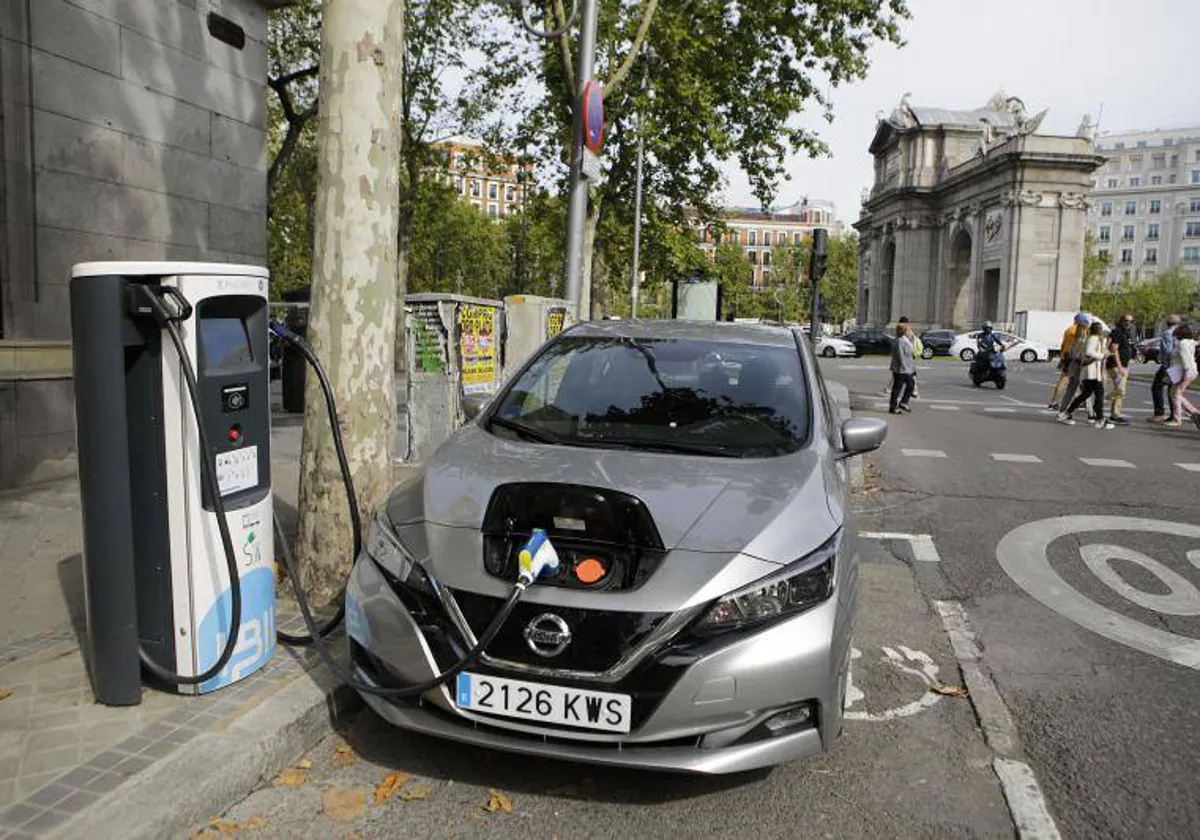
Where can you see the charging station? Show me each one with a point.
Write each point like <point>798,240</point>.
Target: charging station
<point>158,591</point>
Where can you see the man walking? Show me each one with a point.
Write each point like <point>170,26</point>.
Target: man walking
<point>1158,388</point>
<point>903,368</point>
<point>1120,351</point>
<point>1075,332</point>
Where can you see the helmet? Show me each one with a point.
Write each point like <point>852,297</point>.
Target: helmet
<point>987,326</point>
<point>1083,319</point>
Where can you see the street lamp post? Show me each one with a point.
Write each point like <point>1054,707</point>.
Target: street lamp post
<point>578,182</point>
<point>637,200</point>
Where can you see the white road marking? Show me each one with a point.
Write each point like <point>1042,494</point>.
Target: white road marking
<point>923,453</point>
<point>926,672</point>
<point>1016,459</point>
<point>944,407</point>
<point>1189,467</point>
<point>1182,597</point>
<point>1108,462</point>
<point>924,551</point>
<point>1022,554</point>
<point>882,406</point>
<point>1025,800</point>
<point>1000,410</point>
<point>1193,557</point>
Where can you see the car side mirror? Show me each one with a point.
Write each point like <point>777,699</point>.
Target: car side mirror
<point>474,404</point>
<point>861,435</point>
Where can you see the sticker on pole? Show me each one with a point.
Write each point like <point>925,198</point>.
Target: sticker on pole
<point>593,116</point>
<point>590,166</point>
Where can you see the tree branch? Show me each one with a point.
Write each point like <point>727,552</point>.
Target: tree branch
<point>611,86</point>
<point>564,44</point>
<point>288,78</point>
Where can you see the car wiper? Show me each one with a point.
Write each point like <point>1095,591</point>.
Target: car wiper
<point>657,446</point>
<point>524,430</point>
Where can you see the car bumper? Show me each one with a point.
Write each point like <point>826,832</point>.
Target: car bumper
<point>711,719</point>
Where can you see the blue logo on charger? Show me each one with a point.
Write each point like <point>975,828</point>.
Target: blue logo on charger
<point>256,636</point>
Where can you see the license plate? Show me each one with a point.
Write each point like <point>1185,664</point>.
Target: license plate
<point>541,703</point>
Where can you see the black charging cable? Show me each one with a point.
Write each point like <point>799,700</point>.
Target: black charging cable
<point>150,300</point>
<point>316,634</point>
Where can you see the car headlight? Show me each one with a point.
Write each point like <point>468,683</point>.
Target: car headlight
<point>391,555</point>
<point>797,587</point>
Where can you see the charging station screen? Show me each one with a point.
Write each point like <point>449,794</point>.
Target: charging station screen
<point>225,341</point>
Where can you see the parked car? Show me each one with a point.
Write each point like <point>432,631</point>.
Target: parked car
<point>1016,348</point>
<point>686,475</point>
<point>830,346</point>
<point>936,343</point>
<point>1146,350</point>
<point>870,340</point>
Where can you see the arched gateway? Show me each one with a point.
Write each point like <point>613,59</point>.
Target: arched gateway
<point>973,216</point>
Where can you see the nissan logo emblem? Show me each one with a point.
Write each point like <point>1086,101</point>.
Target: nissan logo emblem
<point>547,635</point>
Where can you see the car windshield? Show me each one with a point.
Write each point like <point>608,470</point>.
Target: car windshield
<point>673,395</point>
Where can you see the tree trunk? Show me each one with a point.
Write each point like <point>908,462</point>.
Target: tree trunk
<point>586,310</point>
<point>353,312</point>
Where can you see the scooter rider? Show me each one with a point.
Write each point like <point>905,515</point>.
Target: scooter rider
<point>988,342</point>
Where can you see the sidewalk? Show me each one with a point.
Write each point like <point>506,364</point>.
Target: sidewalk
<point>70,767</point>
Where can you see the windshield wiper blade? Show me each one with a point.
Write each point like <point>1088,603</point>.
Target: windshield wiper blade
<point>664,446</point>
<point>524,430</point>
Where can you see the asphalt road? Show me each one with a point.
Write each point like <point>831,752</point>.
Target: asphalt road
<point>1089,626</point>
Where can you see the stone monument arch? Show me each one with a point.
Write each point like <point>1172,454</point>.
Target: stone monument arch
<point>973,216</point>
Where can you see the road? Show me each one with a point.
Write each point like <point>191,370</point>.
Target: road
<point>1088,626</point>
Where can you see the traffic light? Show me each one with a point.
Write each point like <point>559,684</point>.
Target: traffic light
<point>816,264</point>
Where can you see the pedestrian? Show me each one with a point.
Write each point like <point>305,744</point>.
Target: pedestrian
<point>903,322</point>
<point>1182,374</point>
<point>1091,378</point>
<point>1068,379</point>
<point>1120,352</point>
<point>1158,388</point>
<point>903,370</point>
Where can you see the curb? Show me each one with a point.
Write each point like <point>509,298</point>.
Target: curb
<point>216,770</point>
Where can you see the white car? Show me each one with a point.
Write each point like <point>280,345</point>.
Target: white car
<point>828,346</point>
<point>1016,348</point>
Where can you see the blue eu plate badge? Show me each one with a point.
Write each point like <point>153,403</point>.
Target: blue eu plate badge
<point>463,690</point>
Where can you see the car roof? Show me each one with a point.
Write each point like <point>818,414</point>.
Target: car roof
<point>717,331</point>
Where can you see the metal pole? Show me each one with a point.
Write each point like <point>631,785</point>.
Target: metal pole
<point>578,184</point>
<point>637,219</point>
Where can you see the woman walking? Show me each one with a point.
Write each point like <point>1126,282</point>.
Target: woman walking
<point>1091,378</point>
<point>904,369</point>
<point>1182,374</point>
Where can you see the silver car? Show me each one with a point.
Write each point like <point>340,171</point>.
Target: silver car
<point>689,478</point>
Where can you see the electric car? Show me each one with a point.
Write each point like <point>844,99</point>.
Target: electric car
<point>691,480</point>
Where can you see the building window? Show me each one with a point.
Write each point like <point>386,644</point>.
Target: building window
<point>1195,206</point>
<point>476,190</point>
<point>1158,161</point>
<point>1114,166</point>
<point>1174,160</point>
<point>1103,254</point>
<point>1135,181</point>
<point>493,190</point>
<point>1155,180</point>
<point>1172,178</point>
<point>1155,206</point>
<point>796,238</point>
<point>1196,157</point>
<point>1127,233</point>
<point>1191,230</point>
<point>493,211</point>
<point>1106,208</point>
<point>1105,233</point>
<point>752,256</point>
<point>753,237</point>
<point>1196,176</point>
<point>1152,232</point>
<point>1112,183</point>
<point>1135,162</point>
<point>1126,256</point>
<point>1191,255</point>
<point>459,184</point>
<point>766,258</point>
<point>1141,144</point>
<point>1130,208</point>
<point>1118,146</point>
<point>1151,256</point>
<point>510,193</point>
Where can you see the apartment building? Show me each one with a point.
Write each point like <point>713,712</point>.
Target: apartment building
<point>759,231</point>
<point>1145,211</point>
<point>495,185</point>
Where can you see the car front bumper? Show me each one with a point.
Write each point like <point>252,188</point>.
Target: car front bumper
<point>711,718</point>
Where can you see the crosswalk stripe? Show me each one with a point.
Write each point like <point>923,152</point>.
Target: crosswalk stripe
<point>1108,462</point>
<point>1189,467</point>
<point>1016,459</point>
<point>1000,410</point>
<point>944,407</point>
<point>923,453</point>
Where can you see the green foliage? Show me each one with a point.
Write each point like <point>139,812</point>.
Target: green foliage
<point>839,286</point>
<point>455,247</point>
<point>1148,298</point>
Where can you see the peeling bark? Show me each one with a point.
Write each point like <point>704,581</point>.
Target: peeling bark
<point>352,320</point>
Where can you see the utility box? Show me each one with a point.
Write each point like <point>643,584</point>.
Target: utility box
<point>452,348</point>
<point>696,299</point>
<point>530,321</point>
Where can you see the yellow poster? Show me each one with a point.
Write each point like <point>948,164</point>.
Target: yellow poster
<point>477,347</point>
<point>554,321</point>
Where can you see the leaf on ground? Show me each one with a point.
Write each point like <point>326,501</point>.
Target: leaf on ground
<point>497,801</point>
<point>344,805</point>
<point>304,765</point>
<point>390,784</point>
<point>413,794</point>
<point>950,690</point>
<point>218,827</point>
<point>5,693</point>
<point>293,777</point>
<point>343,756</point>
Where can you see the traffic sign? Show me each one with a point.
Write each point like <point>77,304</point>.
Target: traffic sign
<point>593,116</point>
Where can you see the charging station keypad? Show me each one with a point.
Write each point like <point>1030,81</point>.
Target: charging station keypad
<point>235,398</point>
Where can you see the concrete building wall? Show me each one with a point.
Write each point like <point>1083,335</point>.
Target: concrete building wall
<point>129,131</point>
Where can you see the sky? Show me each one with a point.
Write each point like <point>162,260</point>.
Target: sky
<point>1137,59</point>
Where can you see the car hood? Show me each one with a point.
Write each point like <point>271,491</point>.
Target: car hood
<point>724,521</point>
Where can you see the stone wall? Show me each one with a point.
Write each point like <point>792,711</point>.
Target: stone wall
<point>129,132</point>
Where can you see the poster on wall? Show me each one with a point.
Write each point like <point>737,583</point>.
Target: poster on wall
<point>555,320</point>
<point>428,352</point>
<point>477,347</point>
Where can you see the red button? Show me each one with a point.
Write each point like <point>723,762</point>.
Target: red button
<point>234,435</point>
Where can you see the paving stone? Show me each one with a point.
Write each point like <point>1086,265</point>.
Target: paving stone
<point>52,740</point>
<point>159,749</point>
<point>104,783</point>
<point>8,793</point>
<point>18,814</point>
<point>133,765</point>
<point>46,821</point>
<point>79,777</point>
<point>49,795</point>
<point>61,759</point>
<point>77,801</point>
<point>54,720</point>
